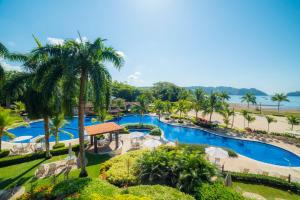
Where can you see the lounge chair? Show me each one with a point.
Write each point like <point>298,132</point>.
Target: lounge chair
<point>52,169</point>
<point>246,171</point>
<point>14,150</point>
<point>39,173</point>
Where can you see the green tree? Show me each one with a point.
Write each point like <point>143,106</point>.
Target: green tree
<point>279,97</point>
<point>7,119</point>
<point>158,107</point>
<point>56,125</point>
<point>85,60</point>
<point>142,108</point>
<point>226,114</point>
<point>213,104</point>
<point>166,91</point>
<point>244,114</point>
<point>249,119</point>
<point>224,96</point>
<point>168,108</point>
<point>249,98</point>
<point>182,106</point>
<point>198,100</point>
<point>270,120</point>
<point>293,120</point>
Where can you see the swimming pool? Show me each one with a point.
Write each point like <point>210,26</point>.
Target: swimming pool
<point>256,150</point>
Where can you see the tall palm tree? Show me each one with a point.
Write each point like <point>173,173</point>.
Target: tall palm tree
<point>182,106</point>
<point>224,96</point>
<point>270,120</point>
<point>279,97</point>
<point>168,108</point>
<point>249,119</point>
<point>244,114</point>
<point>227,113</point>
<point>142,108</point>
<point>158,107</point>
<point>293,120</point>
<point>86,61</point>
<point>198,100</point>
<point>7,119</point>
<point>249,98</point>
<point>3,53</point>
<point>213,103</point>
<point>56,125</point>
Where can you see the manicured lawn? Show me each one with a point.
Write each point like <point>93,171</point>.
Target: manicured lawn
<point>265,191</point>
<point>22,174</point>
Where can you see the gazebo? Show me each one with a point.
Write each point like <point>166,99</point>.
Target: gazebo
<point>100,129</point>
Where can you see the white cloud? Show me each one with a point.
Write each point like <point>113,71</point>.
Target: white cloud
<point>84,39</point>
<point>8,66</point>
<point>55,41</point>
<point>135,78</point>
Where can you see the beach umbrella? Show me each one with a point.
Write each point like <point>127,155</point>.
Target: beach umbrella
<point>22,138</point>
<point>151,143</point>
<point>136,134</point>
<point>216,152</point>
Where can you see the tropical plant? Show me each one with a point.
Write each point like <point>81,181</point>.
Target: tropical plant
<point>244,114</point>
<point>270,120</point>
<point>249,98</point>
<point>213,104</point>
<point>168,108</point>
<point>158,107</point>
<point>224,96</point>
<point>293,120</point>
<point>19,107</point>
<point>279,97</point>
<point>7,119</point>
<point>182,106</point>
<point>198,101</point>
<point>249,119</point>
<point>56,125</point>
<point>226,114</point>
<point>142,107</point>
<point>85,60</point>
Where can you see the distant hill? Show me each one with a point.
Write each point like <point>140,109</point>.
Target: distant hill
<point>230,90</point>
<point>295,94</point>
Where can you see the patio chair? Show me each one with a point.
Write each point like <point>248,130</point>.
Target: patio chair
<point>52,169</point>
<point>39,173</point>
<point>14,150</point>
<point>246,171</point>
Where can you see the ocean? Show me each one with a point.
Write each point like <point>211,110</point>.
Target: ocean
<point>266,102</point>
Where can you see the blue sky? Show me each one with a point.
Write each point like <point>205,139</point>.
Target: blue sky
<point>239,43</point>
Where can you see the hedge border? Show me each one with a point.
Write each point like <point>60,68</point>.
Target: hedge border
<point>265,180</point>
<point>12,160</point>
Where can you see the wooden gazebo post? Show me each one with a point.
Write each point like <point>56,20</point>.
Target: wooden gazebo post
<point>117,139</point>
<point>95,145</point>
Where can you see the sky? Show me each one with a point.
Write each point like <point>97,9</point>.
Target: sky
<point>238,43</point>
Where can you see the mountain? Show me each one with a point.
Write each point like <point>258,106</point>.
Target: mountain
<point>230,90</point>
<point>295,94</point>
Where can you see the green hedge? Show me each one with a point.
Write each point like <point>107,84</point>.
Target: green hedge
<point>12,160</point>
<point>139,126</point>
<point>59,145</point>
<point>266,180</point>
<point>4,153</point>
<point>155,132</point>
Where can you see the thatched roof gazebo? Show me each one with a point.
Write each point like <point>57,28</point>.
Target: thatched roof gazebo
<point>100,129</point>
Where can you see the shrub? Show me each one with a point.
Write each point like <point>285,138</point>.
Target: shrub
<point>266,180</point>
<point>217,191</point>
<point>231,153</point>
<point>140,126</point>
<point>175,167</point>
<point>4,153</point>
<point>155,132</point>
<point>120,170</point>
<point>59,145</point>
<point>12,160</point>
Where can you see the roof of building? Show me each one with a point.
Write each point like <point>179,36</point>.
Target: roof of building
<point>100,129</point>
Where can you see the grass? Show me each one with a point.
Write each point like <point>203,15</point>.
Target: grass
<point>22,174</point>
<point>267,192</point>
<point>282,113</point>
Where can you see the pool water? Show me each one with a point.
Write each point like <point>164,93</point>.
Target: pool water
<point>256,150</point>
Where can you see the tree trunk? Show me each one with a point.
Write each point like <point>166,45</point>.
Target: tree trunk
<point>56,137</point>
<point>248,105</point>
<point>1,133</point>
<point>278,105</point>
<point>210,115</point>
<point>232,121</point>
<point>292,126</point>
<point>268,127</point>
<point>196,115</point>
<point>46,130</point>
<point>83,78</point>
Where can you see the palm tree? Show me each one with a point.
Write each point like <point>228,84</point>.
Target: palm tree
<point>244,114</point>
<point>56,125</point>
<point>249,119</point>
<point>293,120</point>
<point>280,97</point>
<point>270,120</point>
<point>7,119</point>
<point>168,108</point>
<point>213,103</point>
<point>158,107</point>
<point>224,96</point>
<point>85,60</point>
<point>3,53</point>
<point>19,107</point>
<point>142,108</point>
<point>249,98</point>
<point>233,115</point>
<point>182,106</point>
<point>198,101</point>
<point>226,113</point>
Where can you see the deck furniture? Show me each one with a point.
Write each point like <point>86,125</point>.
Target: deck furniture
<point>52,169</point>
<point>39,173</point>
<point>246,171</point>
<point>265,173</point>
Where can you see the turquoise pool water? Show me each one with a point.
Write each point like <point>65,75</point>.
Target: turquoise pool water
<point>256,150</point>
